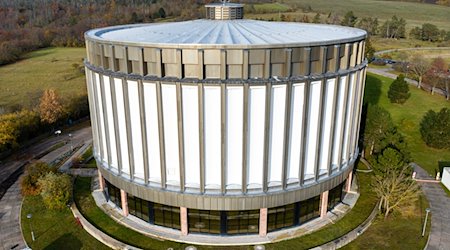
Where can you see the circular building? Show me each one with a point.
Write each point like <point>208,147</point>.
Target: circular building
<point>224,125</point>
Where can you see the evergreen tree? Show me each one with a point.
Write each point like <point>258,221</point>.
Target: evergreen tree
<point>435,128</point>
<point>316,18</point>
<point>399,90</point>
<point>349,19</point>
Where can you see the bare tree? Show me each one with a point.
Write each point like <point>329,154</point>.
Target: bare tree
<point>419,66</point>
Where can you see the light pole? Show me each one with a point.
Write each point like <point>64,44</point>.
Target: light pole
<point>71,144</point>
<point>425,224</point>
<point>31,229</point>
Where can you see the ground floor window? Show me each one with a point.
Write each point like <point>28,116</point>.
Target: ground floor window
<point>204,221</point>
<point>242,222</point>
<point>309,209</point>
<point>139,207</point>
<point>113,194</point>
<point>335,196</point>
<point>166,216</point>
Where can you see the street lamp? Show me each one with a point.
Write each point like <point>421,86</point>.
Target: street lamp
<point>71,144</point>
<point>426,218</point>
<point>31,229</point>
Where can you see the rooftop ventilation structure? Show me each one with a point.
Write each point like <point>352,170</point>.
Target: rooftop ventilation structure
<point>224,11</point>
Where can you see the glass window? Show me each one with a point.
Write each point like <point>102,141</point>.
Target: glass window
<point>335,196</point>
<point>113,194</point>
<point>166,216</point>
<point>242,222</point>
<point>281,217</point>
<point>309,209</point>
<point>204,221</point>
<point>138,207</point>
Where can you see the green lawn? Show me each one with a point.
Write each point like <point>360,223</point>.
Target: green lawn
<point>446,190</point>
<point>54,229</point>
<point>415,14</point>
<point>408,117</point>
<point>23,82</point>
<point>399,231</point>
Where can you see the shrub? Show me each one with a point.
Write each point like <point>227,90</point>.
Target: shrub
<point>35,171</point>
<point>435,128</point>
<point>56,190</point>
<point>399,90</point>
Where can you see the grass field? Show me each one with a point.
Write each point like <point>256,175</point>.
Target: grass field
<point>415,14</point>
<point>23,82</point>
<point>408,117</point>
<point>54,229</point>
<point>429,54</point>
<point>399,231</point>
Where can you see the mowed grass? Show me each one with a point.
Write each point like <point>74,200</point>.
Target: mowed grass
<point>408,116</point>
<point>23,82</point>
<point>268,7</point>
<point>415,14</point>
<point>54,229</point>
<point>398,231</point>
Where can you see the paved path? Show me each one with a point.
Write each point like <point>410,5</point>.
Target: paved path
<point>10,203</point>
<point>439,238</point>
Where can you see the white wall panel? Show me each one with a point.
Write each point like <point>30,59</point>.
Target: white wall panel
<point>111,129</point>
<point>235,122</point>
<point>339,122</point>
<point>101,117</point>
<point>169,100</point>
<point>313,127</point>
<point>276,143</point>
<point>151,121</point>
<point>136,132</point>
<point>257,102</point>
<point>191,136</point>
<point>327,125</point>
<point>296,127</point>
<point>348,118</point>
<point>212,124</point>
<point>122,126</point>
<point>93,112</point>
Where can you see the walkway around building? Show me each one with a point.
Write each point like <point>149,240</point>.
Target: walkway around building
<point>439,238</point>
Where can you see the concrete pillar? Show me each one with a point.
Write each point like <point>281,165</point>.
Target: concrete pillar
<point>101,181</point>
<point>262,222</point>
<point>184,221</point>
<point>324,204</point>
<point>123,198</point>
<point>348,184</point>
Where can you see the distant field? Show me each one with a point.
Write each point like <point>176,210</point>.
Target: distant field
<point>22,83</point>
<point>415,13</point>
<point>408,116</point>
<point>268,7</point>
<point>426,53</point>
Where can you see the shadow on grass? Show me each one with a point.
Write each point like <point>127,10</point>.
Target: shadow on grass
<point>372,91</point>
<point>66,241</point>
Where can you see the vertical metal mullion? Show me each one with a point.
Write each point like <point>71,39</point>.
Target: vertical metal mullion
<point>267,125</point>
<point>94,109</point>
<point>304,132</point>
<point>180,135</point>
<point>245,138</point>
<point>116,124</point>
<point>128,125</point>
<point>223,144</point>
<point>201,137</point>
<point>360,103</point>
<point>162,149</point>
<point>99,129</point>
<point>105,119</point>
<point>354,111</point>
<point>143,130</point>
<point>287,134</point>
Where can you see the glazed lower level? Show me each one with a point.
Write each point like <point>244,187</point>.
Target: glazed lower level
<point>226,222</point>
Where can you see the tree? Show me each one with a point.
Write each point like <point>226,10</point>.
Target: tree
<point>419,66</point>
<point>50,108</point>
<point>430,32</point>
<point>349,19</point>
<point>437,76</point>
<point>369,24</point>
<point>29,181</point>
<point>56,190</point>
<point>394,28</point>
<point>162,12</point>
<point>399,90</point>
<point>435,128</point>
<point>316,18</point>
<point>369,50</point>
<point>378,123</point>
<point>392,182</point>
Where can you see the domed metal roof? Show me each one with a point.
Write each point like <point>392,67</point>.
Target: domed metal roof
<point>228,33</point>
